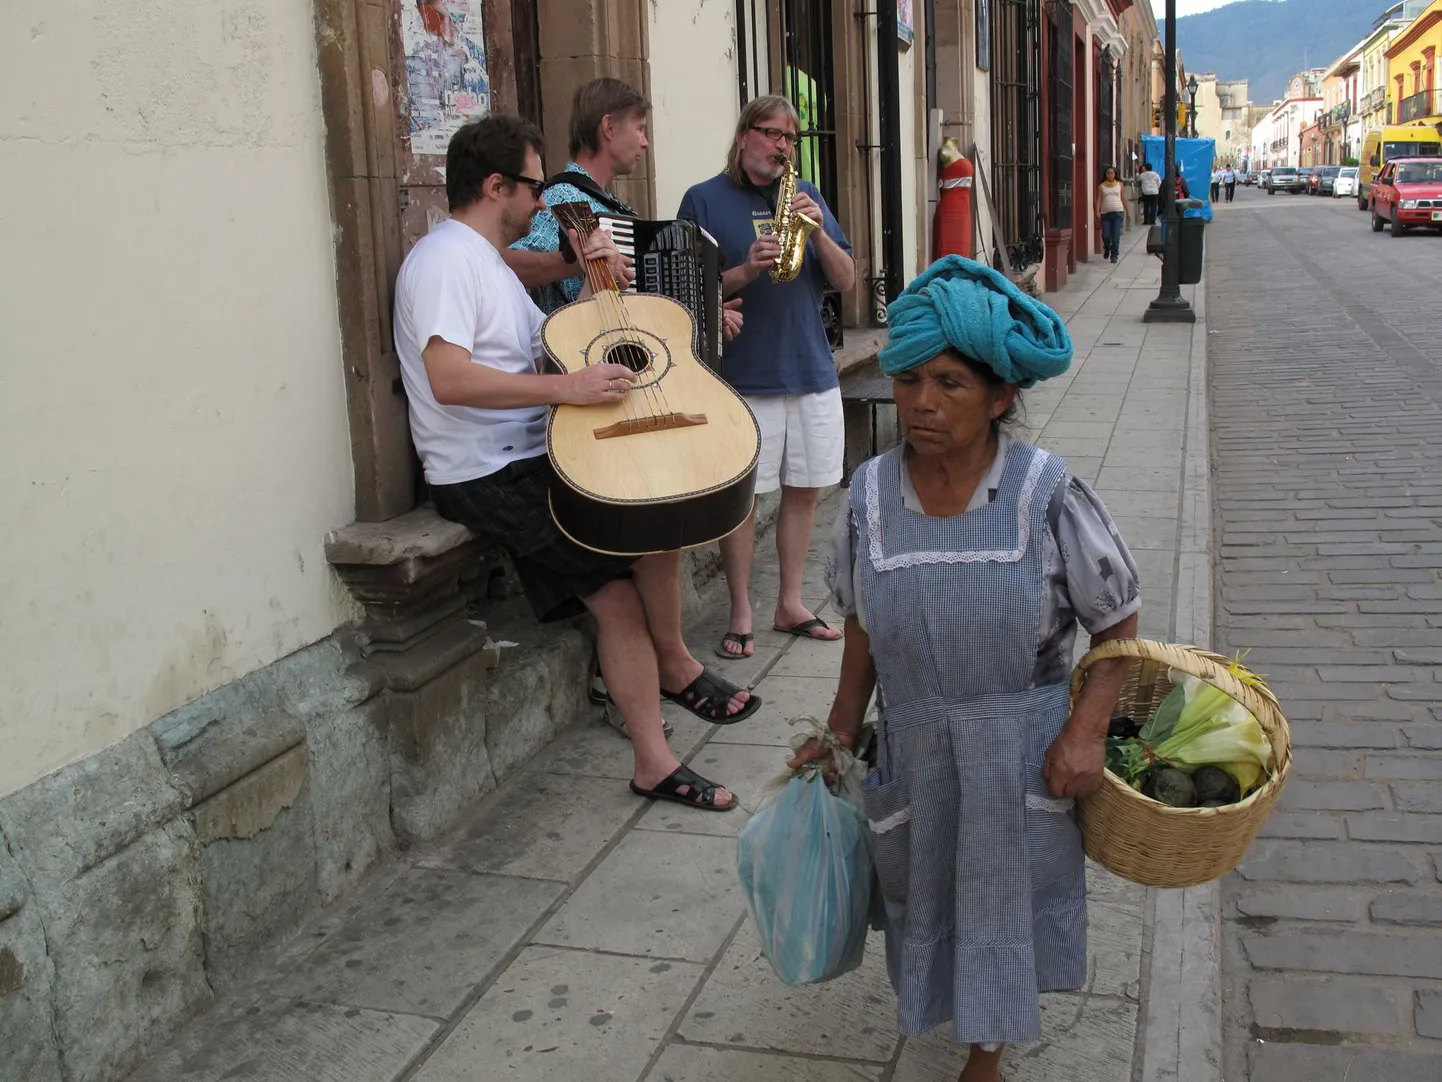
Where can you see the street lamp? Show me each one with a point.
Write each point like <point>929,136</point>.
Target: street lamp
<point>1169,306</point>
<point>1192,90</point>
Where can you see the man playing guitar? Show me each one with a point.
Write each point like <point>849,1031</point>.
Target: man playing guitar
<point>468,337</point>
<point>607,140</point>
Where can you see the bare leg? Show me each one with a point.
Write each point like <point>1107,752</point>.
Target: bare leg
<point>658,581</point>
<point>738,551</point>
<point>794,524</point>
<point>628,662</point>
<point>982,1066</point>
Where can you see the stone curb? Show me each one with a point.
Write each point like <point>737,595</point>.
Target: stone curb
<point>1182,1024</point>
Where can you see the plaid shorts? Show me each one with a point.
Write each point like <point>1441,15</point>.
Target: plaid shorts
<point>512,508</point>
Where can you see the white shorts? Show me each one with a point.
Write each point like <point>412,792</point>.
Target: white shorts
<point>803,439</point>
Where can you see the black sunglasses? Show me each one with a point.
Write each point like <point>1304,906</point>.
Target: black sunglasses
<point>537,186</point>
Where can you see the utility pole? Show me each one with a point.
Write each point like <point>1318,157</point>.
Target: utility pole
<point>1170,306</point>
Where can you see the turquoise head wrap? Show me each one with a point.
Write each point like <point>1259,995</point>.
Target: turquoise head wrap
<point>966,306</point>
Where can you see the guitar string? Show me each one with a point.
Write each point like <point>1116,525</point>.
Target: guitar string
<point>655,394</point>
<point>612,292</point>
<point>628,404</point>
<point>598,292</point>
<point>608,295</point>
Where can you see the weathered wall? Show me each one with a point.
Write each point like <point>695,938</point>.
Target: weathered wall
<point>173,441</point>
<point>694,92</point>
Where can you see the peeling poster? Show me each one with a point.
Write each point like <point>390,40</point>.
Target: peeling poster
<point>446,76</point>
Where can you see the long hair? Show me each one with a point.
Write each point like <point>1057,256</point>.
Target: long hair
<point>755,111</point>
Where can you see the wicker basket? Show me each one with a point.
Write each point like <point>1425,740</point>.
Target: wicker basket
<point>1152,843</point>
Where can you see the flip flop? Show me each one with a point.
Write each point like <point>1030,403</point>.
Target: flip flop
<point>709,695</point>
<point>804,629</point>
<point>701,793</point>
<point>740,640</point>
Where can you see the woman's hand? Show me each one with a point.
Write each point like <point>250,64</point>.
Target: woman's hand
<point>1075,762</point>
<point>814,751</point>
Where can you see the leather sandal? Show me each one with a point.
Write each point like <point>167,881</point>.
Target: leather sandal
<point>700,793</point>
<point>709,696</point>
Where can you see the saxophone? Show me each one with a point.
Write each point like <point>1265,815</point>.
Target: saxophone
<point>792,230</point>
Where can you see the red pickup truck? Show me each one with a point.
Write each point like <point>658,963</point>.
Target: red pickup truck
<point>1407,192</point>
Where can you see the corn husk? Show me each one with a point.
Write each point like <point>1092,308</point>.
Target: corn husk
<point>1215,729</point>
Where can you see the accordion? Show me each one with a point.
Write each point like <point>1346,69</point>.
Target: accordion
<point>680,260</point>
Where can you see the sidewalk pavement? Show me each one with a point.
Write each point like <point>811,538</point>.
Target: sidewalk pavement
<point>570,931</point>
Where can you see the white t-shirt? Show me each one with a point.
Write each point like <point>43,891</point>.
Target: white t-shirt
<point>455,285</point>
<point>1151,182</point>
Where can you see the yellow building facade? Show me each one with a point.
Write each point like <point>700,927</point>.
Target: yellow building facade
<point>1375,84</point>
<point>1412,92</point>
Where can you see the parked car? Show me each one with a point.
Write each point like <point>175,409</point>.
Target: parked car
<point>1285,178</point>
<point>1407,192</point>
<point>1389,144</point>
<point>1346,182</point>
<point>1324,179</point>
<point>1264,177</point>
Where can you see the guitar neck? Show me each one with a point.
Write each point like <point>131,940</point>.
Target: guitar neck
<point>581,218</point>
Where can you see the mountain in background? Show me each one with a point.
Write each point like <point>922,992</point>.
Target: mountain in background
<point>1268,41</point>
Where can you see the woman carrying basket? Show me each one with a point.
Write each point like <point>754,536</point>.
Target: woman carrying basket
<point>962,563</point>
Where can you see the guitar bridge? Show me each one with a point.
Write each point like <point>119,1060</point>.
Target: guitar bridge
<point>650,424</point>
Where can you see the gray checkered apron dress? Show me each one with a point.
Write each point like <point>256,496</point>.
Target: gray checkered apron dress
<point>982,875</point>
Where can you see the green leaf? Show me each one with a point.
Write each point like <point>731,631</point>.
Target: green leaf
<point>1165,719</point>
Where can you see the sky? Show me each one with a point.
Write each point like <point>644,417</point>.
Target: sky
<point>1186,7</point>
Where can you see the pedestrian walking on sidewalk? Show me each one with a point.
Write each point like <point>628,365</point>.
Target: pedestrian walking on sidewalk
<point>1229,181</point>
<point>962,563</point>
<point>1216,185</point>
<point>1112,210</point>
<point>1151,184</point>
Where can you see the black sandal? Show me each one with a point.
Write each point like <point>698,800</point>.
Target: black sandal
<point>700,793</point>
<point>804,629</point>
<point>741,640</point>
<point>709,695</point>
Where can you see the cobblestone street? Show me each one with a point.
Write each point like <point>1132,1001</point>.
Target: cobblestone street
<point>1327,489</point>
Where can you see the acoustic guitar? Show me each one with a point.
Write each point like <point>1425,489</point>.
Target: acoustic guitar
<point>671,465</point>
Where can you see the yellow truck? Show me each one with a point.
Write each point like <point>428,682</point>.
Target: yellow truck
<point>1418,140</point>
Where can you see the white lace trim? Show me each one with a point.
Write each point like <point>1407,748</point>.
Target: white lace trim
<point>1037,802</point>
<point>882,562</point>
<point>891,822</point>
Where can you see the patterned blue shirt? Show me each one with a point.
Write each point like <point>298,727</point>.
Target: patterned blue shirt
<point>545,236</point>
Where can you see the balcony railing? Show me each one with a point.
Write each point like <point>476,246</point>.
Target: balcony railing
<point>1375,99</point>
<point>1333,118</point>
<point>1427,103</point>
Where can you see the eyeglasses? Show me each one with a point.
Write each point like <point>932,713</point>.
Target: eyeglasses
<point>537,186</point>
<point>778,134</point>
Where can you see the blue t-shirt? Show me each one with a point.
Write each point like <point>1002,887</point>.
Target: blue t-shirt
<point>782,347</point>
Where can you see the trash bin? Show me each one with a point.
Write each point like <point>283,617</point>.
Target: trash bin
<point>1189,249</point>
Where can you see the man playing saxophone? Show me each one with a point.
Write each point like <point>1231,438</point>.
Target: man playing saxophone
<point>780,361</point>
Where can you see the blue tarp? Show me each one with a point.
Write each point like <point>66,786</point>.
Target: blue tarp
<point>1194,161</point>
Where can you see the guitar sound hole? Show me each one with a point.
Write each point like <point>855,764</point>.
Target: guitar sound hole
<point>634,357</point>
